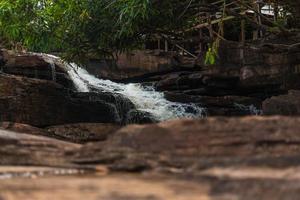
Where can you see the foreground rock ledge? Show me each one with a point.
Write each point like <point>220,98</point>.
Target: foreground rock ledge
<point>213,158</point>
<point>191,144</point>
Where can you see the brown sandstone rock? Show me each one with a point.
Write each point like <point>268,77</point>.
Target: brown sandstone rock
<point>83,132</point>
<point>35,66</point>
<point>283,105</point>
<point>24,149</point>
<point>22,128</point>
<point>214,158</point>
<point>196,144</point>
<point>44,103</point>
<point>76,133</point>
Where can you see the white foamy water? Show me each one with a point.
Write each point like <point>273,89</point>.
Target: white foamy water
<point>145,98</point>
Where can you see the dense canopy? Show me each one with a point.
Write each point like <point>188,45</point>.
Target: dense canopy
<point>81,27</point>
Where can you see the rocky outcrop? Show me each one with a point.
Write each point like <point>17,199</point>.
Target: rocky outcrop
<point>37,90</point>
<point>43,103</point>
<point>283,105</point>
<point>35,66</point>
<point>267,70</point>
<point>132,64</point>
<point>122,104</point>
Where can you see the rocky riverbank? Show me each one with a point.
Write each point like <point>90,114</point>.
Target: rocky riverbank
<point>232,87</point>
<point>59,143</point>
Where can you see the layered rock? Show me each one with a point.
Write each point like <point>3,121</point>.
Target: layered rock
<point>76,133</point>
<point>212,158</point>
<point>283,105</point>
<point>36,89</point>
<point>35,66</point>
<point>43,103</point>
<point>132,64</point>
<point>83,132</point>
<point>24,149</point>
<point>268,69</point>
<point>192,145</point>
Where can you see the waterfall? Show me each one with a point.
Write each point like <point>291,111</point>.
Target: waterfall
<point>251,109</point>
<point>145,98</point>
<point>53,71</point>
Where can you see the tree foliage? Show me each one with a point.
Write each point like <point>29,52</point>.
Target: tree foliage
<point>93,27</point>
<point>81,27</point>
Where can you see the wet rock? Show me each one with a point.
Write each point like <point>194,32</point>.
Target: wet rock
<point>36,66</point>
<point>288,104</point>
<point>211,100</point>
<point>123,105</point>
<point>44,103</point>
<point>139,117</point>
<point>219,105</point>
<point>76,133</point>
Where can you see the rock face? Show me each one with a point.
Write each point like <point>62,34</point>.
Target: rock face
<point>43,103</point>
<point>37,90</point>
<point>135,63</point>
<point>35,66</point>
<point>283,105</point>
<point>267,70</point>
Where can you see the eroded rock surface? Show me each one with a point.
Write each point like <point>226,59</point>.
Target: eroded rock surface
<point>283,105</point>
<point>35,66</point>
<point>83,132</point>
<point>214,158</point>
<point>43,103</point>
<point>24,149</point>
<point>191,145</point>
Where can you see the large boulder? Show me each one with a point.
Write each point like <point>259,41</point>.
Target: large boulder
<point>44,103</point>
<point>37,66</point>
<point>288,104</point>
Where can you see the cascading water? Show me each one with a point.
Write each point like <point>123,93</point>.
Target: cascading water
<point>145,98</point>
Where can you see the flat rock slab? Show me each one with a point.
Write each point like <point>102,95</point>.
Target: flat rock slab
<point>24,149</point>
<point>117,187</point>
<point>83,132</point>
<point>211,185</point>
<point>191,144</point>
<point>213,159</point>
<point>9,172</point>
<point>76,133</point>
